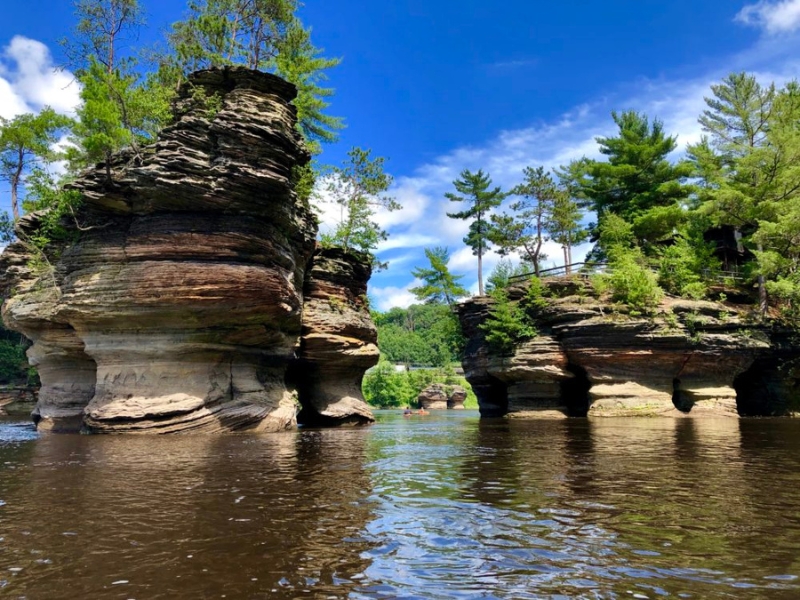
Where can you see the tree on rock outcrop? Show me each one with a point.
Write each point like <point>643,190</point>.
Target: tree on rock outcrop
<point>120,108</point>
<point>475,191</point>
<point>525,229</point>
<point>739,163</point>
<point>359,188</point>
<point>439,285</point>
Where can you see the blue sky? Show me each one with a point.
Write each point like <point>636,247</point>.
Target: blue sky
<point>437,86</point>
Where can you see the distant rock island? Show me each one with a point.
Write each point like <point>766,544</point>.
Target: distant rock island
<point>194,297</point>
<point>689,358</point>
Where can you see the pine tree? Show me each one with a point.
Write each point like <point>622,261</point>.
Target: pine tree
<point>359,188</point>
<point>731,159</point>
<point>526,229</point>
<point>565,225</point>
<point>439,284</point>
<point>475,191</point>
<point>637,175</point>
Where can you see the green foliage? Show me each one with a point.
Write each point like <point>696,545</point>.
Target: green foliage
<point>27,141</point>
<point>637,175</point>
<point>508,325</point>
<point>438,284</point>
<point>420,335</point>
<point>682,267</point>
<point>501,275</point>
<point>359,188</point>
<point>225,32</point>
<point>6,228</point>
<point>13,362</point>
<point>56,206</point>
<point>385,387</point>
<point>474,190</point>
<point>301,63</point>
<point>630,281</point>
<point>525,230</point>
<point>536,295</point>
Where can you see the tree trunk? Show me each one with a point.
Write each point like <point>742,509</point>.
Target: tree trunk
<point>566,259</point>
<point>14,203</point>
<point>762,289</point>
<point>480,271</point>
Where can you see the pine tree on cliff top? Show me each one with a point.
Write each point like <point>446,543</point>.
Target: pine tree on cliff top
<point>439,285</point>
<point>475,191</point>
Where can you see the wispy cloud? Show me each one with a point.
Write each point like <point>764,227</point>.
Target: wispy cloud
<point>509,65</point>
<point>773,17</point>
<point>677,102</point>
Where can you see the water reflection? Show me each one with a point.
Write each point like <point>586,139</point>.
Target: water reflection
<point>191,517</point>
<point>446,506</point>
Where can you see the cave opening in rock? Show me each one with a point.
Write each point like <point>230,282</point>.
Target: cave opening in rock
<point>575,391</point>
<point>679,399</point>
<point>493,397</point>
<point>756,395</point>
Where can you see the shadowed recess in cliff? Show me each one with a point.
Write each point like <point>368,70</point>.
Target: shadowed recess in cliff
<point>575,391</point>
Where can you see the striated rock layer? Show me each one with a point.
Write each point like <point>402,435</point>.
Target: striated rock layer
<point>339,341</point>
<point>180,306</point>
<point>693,358</point>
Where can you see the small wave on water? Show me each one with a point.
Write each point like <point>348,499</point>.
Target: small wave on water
<point>442,507</point>
<point>15,431</point>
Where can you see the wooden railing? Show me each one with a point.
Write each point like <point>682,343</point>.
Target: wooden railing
<point>585,269</point>
<point>579,269</point>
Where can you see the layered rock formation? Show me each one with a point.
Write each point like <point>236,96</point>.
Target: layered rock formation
<point>180,306</point>
<point>693,358</point>
<point>457,398</point>
<point>433,397</point>
<point>338,343</point>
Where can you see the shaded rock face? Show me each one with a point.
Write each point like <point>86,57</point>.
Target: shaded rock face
<point>433,397</point>
<point>338,343</point>
<point>457,398</point>
<point>694,358</point>
<point>180,306</point>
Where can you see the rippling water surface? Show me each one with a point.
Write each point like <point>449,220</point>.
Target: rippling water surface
<point>445,506</point>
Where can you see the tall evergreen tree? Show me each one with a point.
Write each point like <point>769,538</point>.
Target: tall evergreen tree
<point>731,158</point>
<point>565,225</point>
<point>526,229</point>
<point>475,191</point>
<point>637,175</point>
<point>439,284</point>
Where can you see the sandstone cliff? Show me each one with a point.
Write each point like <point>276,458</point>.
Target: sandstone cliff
<point>691,358</point>
<point>180,306</point>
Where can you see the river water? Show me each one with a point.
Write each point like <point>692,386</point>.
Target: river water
<point>443,506</point>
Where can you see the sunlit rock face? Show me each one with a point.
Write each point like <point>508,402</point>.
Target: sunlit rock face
<point>691,359</point>
<point>339,341</point>
<point>180,306</point>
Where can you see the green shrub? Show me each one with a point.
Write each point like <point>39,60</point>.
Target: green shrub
<point>630,282</point>
<point>507,326</point>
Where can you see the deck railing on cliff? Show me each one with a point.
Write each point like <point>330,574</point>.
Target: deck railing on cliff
<point>586,269</point>
<point>578,269</point>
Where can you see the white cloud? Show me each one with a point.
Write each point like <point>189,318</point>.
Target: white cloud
<point>384,298</point>
<point>775,17</point>
<point>29,80</point>
<point>424,223</point>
